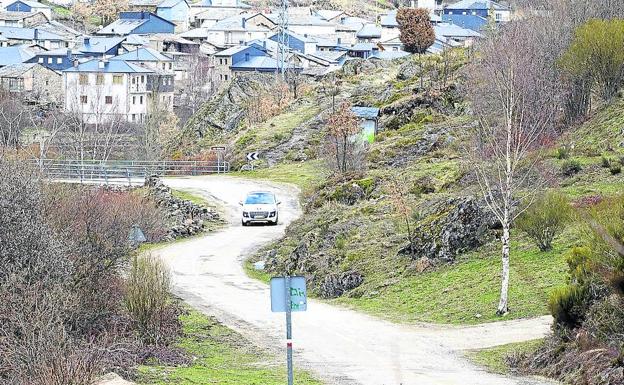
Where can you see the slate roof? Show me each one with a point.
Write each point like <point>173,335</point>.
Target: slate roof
<point>170,3</point>
<point>478,4</point>
<point>232,50</point>
<point>389,54</point>
<point>389,20</point>
<point>32,4</point>
<point>195,33</point>
<point>328,14</point>
<point>145,3</point>
<point>369,31</point>
<point>122,26</point>
<point>473,22</point>
<point>27,34</point>
<point>100,44</point>
<point>208,3</point>
<point>15,70</point>
<point>362,47</point>
<point>112,66</point>
<point>16,54</point>
<point>235,23</point>
<point>9,15</point>
<point>452,30</point>
<point>366,112</point>
<point>142,54</point>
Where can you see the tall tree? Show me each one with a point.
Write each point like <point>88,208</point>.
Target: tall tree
<point>417,33</point>
<point>511,94</point>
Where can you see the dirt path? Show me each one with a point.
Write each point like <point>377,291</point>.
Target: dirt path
<point>342,346</point>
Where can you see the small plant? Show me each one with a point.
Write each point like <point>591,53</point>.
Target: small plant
<point>606,163</point>
<point>546,218</point>
<point>571,167</point>
<point>562,153</point>
<point>567,305</point>
<point>615,168</point>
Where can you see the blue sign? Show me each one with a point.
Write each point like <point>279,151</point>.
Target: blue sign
<point>298,295</point>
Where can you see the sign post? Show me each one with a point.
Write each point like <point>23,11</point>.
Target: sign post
<point>288,294</point>
<point>219,150</point>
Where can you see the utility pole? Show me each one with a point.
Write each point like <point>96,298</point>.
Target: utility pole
<point>282,41</point>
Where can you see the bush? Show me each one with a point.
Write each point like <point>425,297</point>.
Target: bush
<point>570,167</point>
<point>545,218</point>
<point>148,299</point>
<point>568,305</point>
<point>615,168</point>
<point>562,153</point>
<point>605,162</point>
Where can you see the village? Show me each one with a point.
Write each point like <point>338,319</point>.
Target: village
<point>162,54</point>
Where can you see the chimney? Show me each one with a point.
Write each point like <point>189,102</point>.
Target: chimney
<point>246,56</point>
<point>86,40</point>
<point>244,22</point>
<point>36,35</point>
<point>101,64</point>
<point>75,63</point>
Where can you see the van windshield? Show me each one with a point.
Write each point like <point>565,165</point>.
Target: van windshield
<point>259,199</point>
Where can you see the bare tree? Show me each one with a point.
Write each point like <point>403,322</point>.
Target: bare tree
<point>15,117</point>
<point>400,198</point>
<point>512,96</point>
<point>331,88</point>
<point>198,85</point>
<point>343,146</point>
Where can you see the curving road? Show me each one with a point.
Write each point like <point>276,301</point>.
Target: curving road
<point>341,346</point>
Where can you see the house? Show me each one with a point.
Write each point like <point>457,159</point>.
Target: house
<point>144,5</point>
<point>101,90</point>
<point>98,46</point>
<point>172,44</point>
<point>177,12</point>
<point>362,50</point>
<point>484,8</point>
<point>451,32</point>
<point>56,60</point>
<point>296,42</point>
<point>148,58</point>
<point>206,13</point>
<point>434,6</point>
<point>331,15</point>
<point>16,54</point>
<point>302,22</point>
<point>369,33</point>
<point>22,19</point>
<point>368,118</point>
<point>48,40</point>
<point>390,26</point>
<point>137,22</point>
<point>473,22</point>
<point>240,29</point>
<point>33,82</point>
<point>245,59</point>
<point>30,6</point>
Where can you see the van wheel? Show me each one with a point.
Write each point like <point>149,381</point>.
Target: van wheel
<point>245,224</point>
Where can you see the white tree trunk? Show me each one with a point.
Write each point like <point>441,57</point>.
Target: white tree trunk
<point>502,304</point>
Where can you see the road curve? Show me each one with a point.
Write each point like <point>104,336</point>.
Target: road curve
<point>341,346</point>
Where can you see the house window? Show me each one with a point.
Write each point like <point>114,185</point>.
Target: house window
<point>40,60</point>
<point>83,79</point>
<point>133,102</point>
<point>83,99</point>
<point>170,65</point>
<point>117,79</point>
<point>49,60</point>
<point>134,117</point>
<point>141,99</point>
<point>108,100</point>
<point>498,17</point>
<point>133,80</point>
<point>226,77</point>
<point>99,79</point>
<point>142,79</point>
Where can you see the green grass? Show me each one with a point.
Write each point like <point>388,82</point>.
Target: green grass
<point>494,359</point>
<point>305,175</point>
<point>189,196</point>
<point>458,293</point>
<point>220,356</point>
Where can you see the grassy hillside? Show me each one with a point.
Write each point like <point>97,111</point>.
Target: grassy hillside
<point>349,243</point>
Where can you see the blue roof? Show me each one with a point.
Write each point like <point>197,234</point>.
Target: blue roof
<point>362,47</point>
<point>258,63</point>
<point>369,30</point>
<point>452,30</point>
<point>477,5</point>
<point>101,44</point>
<point>366,112</point>
<point>16,54</point>
<point>113,66</point>
<point>142,54</point>
<point>32,4</point>
<point>473,22</point>
<point>389,55</point>
<point>122,26</point>
<point>389,20</point>
<point>28,34</point>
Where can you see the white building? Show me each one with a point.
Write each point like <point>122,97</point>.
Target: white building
<point>104,90</point>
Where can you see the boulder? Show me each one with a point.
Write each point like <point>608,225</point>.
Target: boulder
<point>335,285</point>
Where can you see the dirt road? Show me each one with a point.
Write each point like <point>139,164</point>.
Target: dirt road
<point>341,346</point>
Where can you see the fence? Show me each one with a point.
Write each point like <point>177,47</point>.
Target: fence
<point>116,170</point>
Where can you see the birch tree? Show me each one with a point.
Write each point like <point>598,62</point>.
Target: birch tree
<point>512,95</point>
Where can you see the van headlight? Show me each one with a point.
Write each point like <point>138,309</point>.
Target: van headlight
<point>271,214</point>
<point>245,214</point>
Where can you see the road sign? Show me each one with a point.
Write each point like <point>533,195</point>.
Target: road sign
<point>253,156</point>
<point>288,294</point>
<point>298,296</point>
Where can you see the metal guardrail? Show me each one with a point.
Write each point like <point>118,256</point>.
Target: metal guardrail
<point>106,171</point>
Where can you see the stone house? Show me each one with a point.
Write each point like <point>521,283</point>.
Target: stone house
<point>32,82</point>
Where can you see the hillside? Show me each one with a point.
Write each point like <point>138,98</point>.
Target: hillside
<point>351,242</point>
